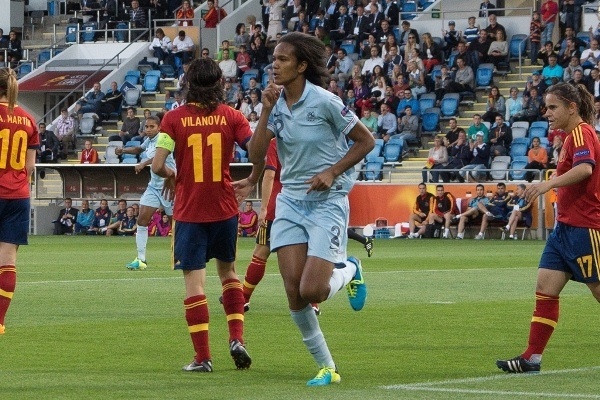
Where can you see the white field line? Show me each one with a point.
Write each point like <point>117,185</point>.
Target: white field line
<point>431,386</point>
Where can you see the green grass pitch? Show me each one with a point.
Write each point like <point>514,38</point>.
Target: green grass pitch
<point>438,315</point>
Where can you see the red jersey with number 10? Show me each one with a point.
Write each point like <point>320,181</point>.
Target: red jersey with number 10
<point>203,145</point>
<point>17,134</point>
<point>579,204</point>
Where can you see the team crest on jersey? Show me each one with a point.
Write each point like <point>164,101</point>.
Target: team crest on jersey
<point>311,116</point>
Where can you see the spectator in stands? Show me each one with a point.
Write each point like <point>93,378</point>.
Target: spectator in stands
<point>369,64</point>
<point>241,36</point>
<point>185,15</point>
<point>451,36</point>
<point>535,82</point>
<point>3,44</point>
<point>578,78</point>
<point>492,28</point>
<point>391,59</point>
<point>411,51</point>
<point>160,8</point>
<point>593,82</point>
<point>350,100</point>
<point>497,209</point>
<point>389,43</point>
<point>142,132</point>
<point>85,218</point>
<point>340,27</point>
<point>463,79</point>
<point>248,221</point>
<point>408,100</point>
<point>569,35</point>
<point>569,71</point>
<point>405,32</point>
<point>230,91</point>
<point>391,99</point>
<point>111,102</point>
<point>178,102</point>
<point>498,51</point>
<point>129,128</point>
<point>461,52</point>
<point>67,217</point>
<point>514,104</point>
<point>476,209</point>
<point>254,105</point>
<point>495,105</point>
<point>416,78</point>
<point>15,51</point>
<point>89,155</point>
<point>480,152</point>
<point>387,125</point>
<point>360,25</point>
<point>521,212</point>
<point>243,60</point>
<point>252,88</point>
<point>431,51</point>
<point>49,144</point>
<point>161,46</point>
<point>452,135</point>
<point>568,52</point>
<point>330,59</point>
<point>590,57</point>
<point>471,32</point>
<point>138,19</point>
<point>535,36</point>
<point>546,52</point>
<point>460,155</point>
<point>259,54</point>
<point>362,94</point>
<point>102,217</point>
<point>65,132</point>
<point>421,209</point>
<point>183,50</point>
<point>334,88</point>
<point>214,14</point>
<point>442,81</point>
<point>343,66</point>
<point>408,127</point>
<point>531,108</point>
<point>485,7</point>
<point>128,225</point>
<point>370,120</point>
<point>228,66</point>
<point>442,212</point>
<point>596,115</point>
<point>116,218</point>
<point>224,46</point>
<point>90,102</point>
<point>385,36</point>
<point>392,13</point>
<point>253,121</point>
<point>557,144</point>
<point>478,126</point>
<point>436,160</point>
<point>549,11</point>
<point>537,157</point>
<point>500,137</point>
<point>163,227</point>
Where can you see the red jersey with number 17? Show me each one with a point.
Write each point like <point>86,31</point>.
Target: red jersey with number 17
<point>203,145</point>
<point>579,204</point>
<point>17,134</point>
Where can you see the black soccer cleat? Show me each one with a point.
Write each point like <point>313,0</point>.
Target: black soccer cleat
<point>518,365</point>
<point>369,246</point>
<point>194,366</point>
<point>240,355</point>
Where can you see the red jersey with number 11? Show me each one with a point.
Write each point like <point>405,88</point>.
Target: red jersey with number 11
<point>203,146</point>
<point>17,134</point>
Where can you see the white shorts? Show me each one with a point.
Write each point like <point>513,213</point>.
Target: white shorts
<point>152,197</point>
<point>323,225</point>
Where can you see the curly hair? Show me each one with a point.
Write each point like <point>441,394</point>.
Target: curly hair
<point>204,84</point>
<point>311,50</point>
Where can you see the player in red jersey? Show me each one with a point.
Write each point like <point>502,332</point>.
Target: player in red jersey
<point>572,251</point>
<point>201,134</point>
<point>19,140</point>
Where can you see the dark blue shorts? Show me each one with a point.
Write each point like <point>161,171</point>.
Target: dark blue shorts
<point>14,220</point>
<point>573,250</point>
<point>198,243</point>
<point>263,236</point>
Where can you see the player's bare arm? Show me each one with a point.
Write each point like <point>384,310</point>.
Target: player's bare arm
<point>259,143</point>
<point>573,176</point>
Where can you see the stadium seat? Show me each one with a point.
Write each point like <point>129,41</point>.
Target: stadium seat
<point>167,71</point>
<point>484,76</point>
<point>71,33</point>
<point>436,71</point>
<point>376,152</point>
<point>131,94</point>
<point>349,46</point>
<point>430,121</point>
<point>24,68</point>
<point>129,159</point>
<point>43,56</point>
<point>133,76</point>
<point>87,124</point>
<point>151,81</point>
<point>88,32</point>
<point>519,147</point>
<point>519,132</point>
<point>449,105</point>
<point>426,100</point>
<point>409,9</point>
<point>585,36</point>
<point>516,168</point>
<point>392,151</point>
<point>538,129</point>
<point>110,156</point>
<point>499,168</point>
<point>517,42</point>
<point>522,124</point>
<point>373,169</point>
<point>120,35</point>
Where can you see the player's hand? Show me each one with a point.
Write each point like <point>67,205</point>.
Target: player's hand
<point>262,217</point>
<point>119,151</point>
<point>270,95</point>
<point>139,167</point>
<point>168,190</point>
<point>242,189</point>
<point>537,189</point>
<point>320,182</point>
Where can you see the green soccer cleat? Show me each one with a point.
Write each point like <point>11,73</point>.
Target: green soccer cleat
<point>137,265</point>
<point>357,289</point>
<point>194,366</point>
<point>326,376</point>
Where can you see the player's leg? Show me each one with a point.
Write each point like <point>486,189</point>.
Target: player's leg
<point>14,225</point>
<point>447,220</point>
<point>222,244</point>
<point>367,242</point>
<point>484,223</point>
<point>412,223</point>
<point>256,269</point>
<point>141,238</point>
<point>515,216</point>
<point>190,244</point>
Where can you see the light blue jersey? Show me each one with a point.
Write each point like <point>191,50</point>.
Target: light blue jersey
<point>311,137</point>
<point>149,149</point>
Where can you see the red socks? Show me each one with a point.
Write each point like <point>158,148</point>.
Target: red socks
<point>8,281</point>
<point>254,274</point>
<point>233,304</point>
<point>543,322</point>
<point>196,315</point>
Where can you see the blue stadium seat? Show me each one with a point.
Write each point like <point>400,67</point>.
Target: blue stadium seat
<point>517,42</point>
<point>392,151</point>
<point>88,32</point>
<point>519,147</point>
<point>449,105</point>
<point>409,10</point>
<point>373,169</point>
<point>376,152</point>
<point>131,94</point>
<point>133,77</point>
<point>427,100</point>
<point>151,81</point>
<point>71,33</point>
<point>430,121</point>
<point>24,68</point>
<point>516,169</point>
<point>167,71</point>
<point>484,75</point>
<point>120,35</point>
<point>43,56</point>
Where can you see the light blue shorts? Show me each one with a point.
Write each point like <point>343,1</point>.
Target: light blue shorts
<point>323,225</point>
<point>152,197</point>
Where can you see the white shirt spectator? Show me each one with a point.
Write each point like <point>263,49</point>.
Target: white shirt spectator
<point>370,64</point>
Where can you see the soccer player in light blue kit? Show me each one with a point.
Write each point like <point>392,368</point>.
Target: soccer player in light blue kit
<point>309,232</point>
<point>152,198</point>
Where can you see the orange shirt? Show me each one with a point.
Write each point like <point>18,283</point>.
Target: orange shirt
<point>540,155</point>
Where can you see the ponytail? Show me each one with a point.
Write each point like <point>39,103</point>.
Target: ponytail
<point>9,87</point>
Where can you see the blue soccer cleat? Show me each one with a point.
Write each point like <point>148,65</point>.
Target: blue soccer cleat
<point>137,265</point>
<point>357,289</point>
<point>326,376</point>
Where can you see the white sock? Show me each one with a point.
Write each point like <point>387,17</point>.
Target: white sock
<point>460,235</point>
<point>312,336</point>
<point>141,239</point>
<point>446,232</point>
<point>340,277</point>
<point>458,216</point>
